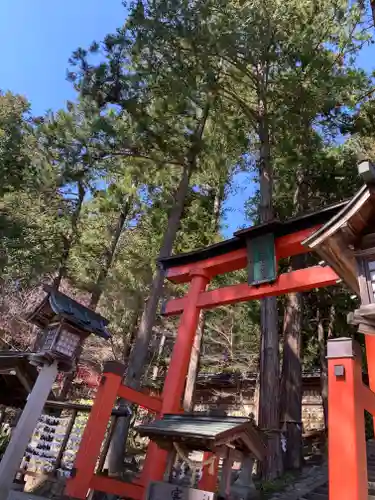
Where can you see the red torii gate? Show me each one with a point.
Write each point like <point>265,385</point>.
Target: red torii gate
<point>198,268</point>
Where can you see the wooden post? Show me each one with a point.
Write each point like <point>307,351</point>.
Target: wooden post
<point>93,436</point>
<point>106,443</point>
<point>178,368</point>
<point>208,480</point>
<point>346,425</point>
<point>174,385</point>
<point>65,440</point>
<point>226,473</point>
<point>25,426</point>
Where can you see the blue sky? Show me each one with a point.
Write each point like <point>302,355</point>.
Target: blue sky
<point>39,36</point>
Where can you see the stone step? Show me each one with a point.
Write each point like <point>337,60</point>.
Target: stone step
<point>321,493</point>
<point>324,496</point>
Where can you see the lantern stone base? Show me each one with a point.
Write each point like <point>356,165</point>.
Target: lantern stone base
<point>41,359</point>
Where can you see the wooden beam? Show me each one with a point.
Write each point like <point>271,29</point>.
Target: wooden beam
<point>295,281</point>
<point>151,403</point>
<point>368,399</point>
<point>286,246</point>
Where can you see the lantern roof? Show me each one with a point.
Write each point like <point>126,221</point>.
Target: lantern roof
<point>340,239</point>
<point>81,317</point>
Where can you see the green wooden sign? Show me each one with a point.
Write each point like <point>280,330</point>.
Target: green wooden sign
<point>261,259</point>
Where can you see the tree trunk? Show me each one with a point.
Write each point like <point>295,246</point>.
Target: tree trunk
<point>271,468</point>
<point>98,290</point>
<point>66,386</point>
<point>139,352</point>
<point>323,360</point>
<point>291,381</point>
<point>138,355</point>
<point>128,340</point>
<point>155,370</point>
<point>109,256</point>
<point>372,5</point>
<point>68,241</point>
<point>191,380</point>
<point>269,353</point>
<point>323,366</point>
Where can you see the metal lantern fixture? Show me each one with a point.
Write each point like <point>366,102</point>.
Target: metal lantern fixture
<point>60,342</point>
<point>66,325</point>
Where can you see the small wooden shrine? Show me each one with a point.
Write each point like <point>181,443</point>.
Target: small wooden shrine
<point>232,439</point>
<point>17,378</point>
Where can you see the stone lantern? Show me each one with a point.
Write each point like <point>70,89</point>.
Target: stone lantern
<point>66,324</point>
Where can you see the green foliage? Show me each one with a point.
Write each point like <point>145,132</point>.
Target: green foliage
<point>17,144</point>
<point>31,245</point>
<point>88,191</point>
<point>4,440</point>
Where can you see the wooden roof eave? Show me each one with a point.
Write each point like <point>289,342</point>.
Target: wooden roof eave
<point>257,447</point>
<point>249,437</point>
<point>251,441</point>
<point>334,242</point>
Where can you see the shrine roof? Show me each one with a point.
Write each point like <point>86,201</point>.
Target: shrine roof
<point>337,241</point>
<point>57,303</point>
<point>276,227</point>
<point>17,378</point>
<point>204,432</point>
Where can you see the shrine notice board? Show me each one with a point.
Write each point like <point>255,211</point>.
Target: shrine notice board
<point>167,491</point>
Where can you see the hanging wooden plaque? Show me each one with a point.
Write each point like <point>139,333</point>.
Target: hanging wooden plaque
<point>261,258</point>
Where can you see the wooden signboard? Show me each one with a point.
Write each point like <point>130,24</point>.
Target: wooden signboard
<point>167,491</point>
<point>261,259</point>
